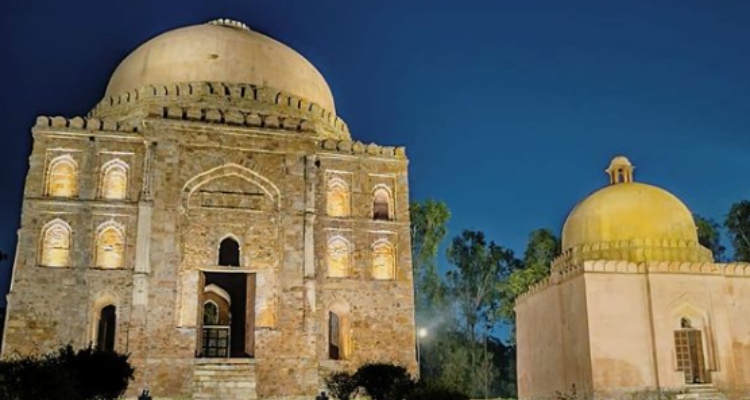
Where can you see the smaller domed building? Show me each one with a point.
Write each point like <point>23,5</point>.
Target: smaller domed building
<point>634,302</point>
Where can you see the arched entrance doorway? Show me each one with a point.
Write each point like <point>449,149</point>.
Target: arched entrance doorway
<point>690,353</point>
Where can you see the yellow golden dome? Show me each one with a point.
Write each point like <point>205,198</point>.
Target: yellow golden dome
<point>632,221</point>
<point>221,51</point>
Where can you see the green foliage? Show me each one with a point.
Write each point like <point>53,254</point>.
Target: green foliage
<point>543,246</point>
<point>67,374</point>
<point>436,391</point>
<point>474,285</point>
<point>341,385</point>
<point>428,229</point>
<point>709,235</point>
<point>478,267</point>
<point>385,381</point>
<point>738,225</point>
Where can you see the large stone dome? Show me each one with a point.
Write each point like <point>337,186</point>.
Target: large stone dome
<point>632,221</point>
<point>220,51</point>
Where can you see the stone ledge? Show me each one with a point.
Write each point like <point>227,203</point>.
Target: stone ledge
<point>225,361</point>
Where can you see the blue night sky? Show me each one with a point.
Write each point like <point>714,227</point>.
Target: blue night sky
<point>510,110</point>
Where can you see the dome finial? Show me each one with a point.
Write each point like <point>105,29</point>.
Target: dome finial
<point>620,170</point>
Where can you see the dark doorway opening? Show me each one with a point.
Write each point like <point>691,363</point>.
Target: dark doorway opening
<point>105,334</point>
<point>241,331</point>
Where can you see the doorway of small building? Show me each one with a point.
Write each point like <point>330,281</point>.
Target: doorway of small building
<point>690,354</point>
<point>227,315</point>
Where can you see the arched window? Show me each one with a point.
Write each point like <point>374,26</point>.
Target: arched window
<point>338,203</point>
<point>114,180</point>
<point>210,313</point>
<point>339,258</point>
<point>110,247</point>
<point>62,177</point>
<point>56,244</point>
<point>383,261</point>
<point>381,204</point>
<point>229,253</point>
<point>105,333</point>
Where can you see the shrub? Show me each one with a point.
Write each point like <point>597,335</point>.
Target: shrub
<point>67,374</point>
<point>385,381</point>
<point>433,391</point>
<point>341,385</point>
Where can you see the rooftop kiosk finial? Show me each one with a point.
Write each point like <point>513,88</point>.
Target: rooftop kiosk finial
<point>620,170</point>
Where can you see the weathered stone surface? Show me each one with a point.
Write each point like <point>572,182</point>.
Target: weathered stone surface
<point>184,182</point>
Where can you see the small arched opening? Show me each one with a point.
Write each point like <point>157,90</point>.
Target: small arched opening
<point>105,332</point>
<point>229,253</point>
<point>381,205</point>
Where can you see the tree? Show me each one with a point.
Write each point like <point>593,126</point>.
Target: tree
<point>709,236</point>
<point>428,229</point>
<point>738,225</point>
<point>541,249</point>
<point>478,266</point>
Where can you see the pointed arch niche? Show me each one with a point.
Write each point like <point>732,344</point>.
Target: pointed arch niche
<point>339,257</point>
<point>62,177</point>
<point>383,260</point>
<point>338,198</point>
<point>382,203</point>
<point>55,244</point>
<point>110,245</point>
<point>231,186</point>
<point>113,183</point>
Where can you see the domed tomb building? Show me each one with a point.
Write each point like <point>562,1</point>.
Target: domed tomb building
<point>634,303</point>
<point>213,217</point>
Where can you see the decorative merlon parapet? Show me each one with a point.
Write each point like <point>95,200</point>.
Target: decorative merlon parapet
<point>636,251</point>
<point>89,124</point>
<point>372,149</point>
<point>233,117</point>
<point>222,96</point>
<point>729,270</point>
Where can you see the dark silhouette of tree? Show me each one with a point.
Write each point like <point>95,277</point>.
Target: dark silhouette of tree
<point>709,236</point>
<point>738,225</point>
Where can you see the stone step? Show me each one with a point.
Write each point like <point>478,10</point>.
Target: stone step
<point>228,380</point>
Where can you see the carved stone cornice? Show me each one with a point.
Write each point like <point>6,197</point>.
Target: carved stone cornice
<point>240,104</point>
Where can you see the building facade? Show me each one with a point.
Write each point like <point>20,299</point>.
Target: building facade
<point>634,303</point>
<point>213,217</point>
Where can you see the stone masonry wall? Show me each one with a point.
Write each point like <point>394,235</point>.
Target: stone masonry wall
<point>192,183</point>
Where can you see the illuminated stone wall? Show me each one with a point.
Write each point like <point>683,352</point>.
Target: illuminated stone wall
<point>153,196</point>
